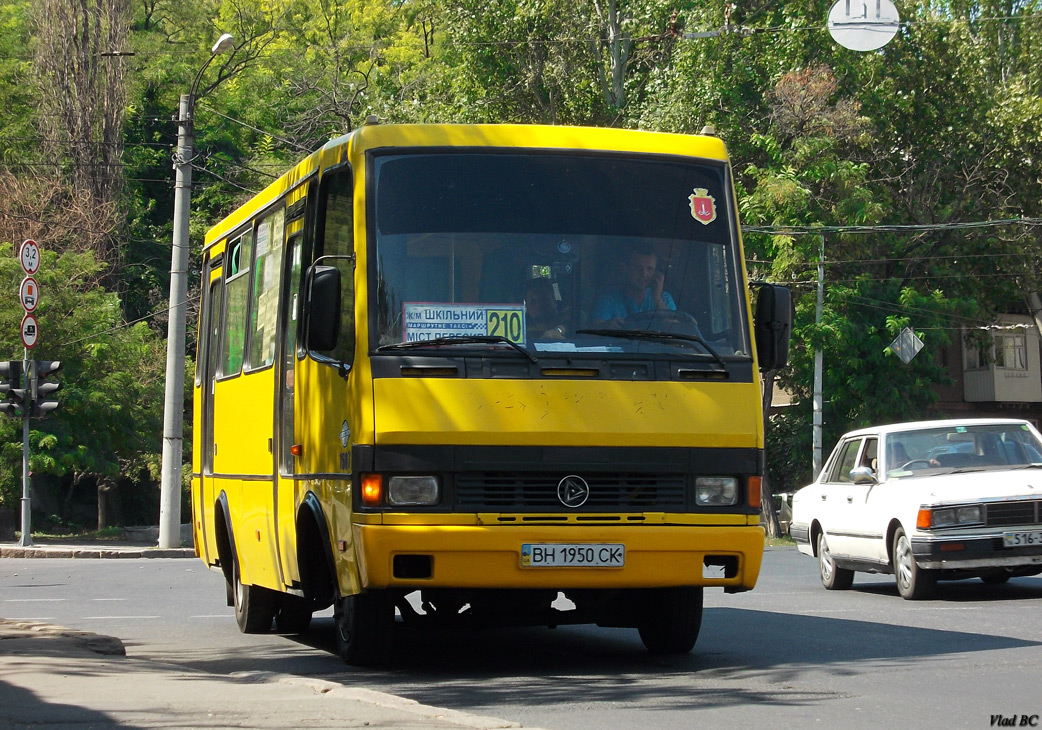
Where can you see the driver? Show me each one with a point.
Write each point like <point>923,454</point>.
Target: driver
<point>640,290</point>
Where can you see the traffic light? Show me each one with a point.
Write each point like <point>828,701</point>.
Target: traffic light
<point>42,388</point>
<point>12,388</point>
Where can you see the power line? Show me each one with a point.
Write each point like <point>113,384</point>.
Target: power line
<point>210,108</point>
<point>817,230</point>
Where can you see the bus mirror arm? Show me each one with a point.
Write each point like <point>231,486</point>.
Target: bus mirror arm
<point>323,322</point>
<point>773,325</point>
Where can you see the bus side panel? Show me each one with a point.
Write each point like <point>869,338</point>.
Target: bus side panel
<point>330,416</point>
<point>242,445</point>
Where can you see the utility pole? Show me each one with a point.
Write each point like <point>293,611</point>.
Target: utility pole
<point>173,404</point>
<point>818,363</point>
<point>27,500</point>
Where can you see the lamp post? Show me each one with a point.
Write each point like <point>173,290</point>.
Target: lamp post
<point>173,407</point>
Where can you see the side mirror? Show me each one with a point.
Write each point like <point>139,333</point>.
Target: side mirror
<point>323,307</point>
<point>773,326</point>
<point>862,475</point>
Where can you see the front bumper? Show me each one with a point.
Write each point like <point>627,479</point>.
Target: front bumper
<point>971,553</point>
<point>477,556</point>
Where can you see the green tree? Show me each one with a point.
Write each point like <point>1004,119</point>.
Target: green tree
<point>109,422</point>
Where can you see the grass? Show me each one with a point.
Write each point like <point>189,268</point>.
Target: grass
<point>107,533</point>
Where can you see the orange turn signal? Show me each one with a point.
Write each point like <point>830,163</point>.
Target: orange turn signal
<point>754,491</point>
<point>372,490</point>
<point>924,520</point>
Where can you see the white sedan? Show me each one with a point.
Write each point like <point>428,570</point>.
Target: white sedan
<point>926,501</point>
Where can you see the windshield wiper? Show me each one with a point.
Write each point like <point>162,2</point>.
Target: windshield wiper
<point>655,335</point>
<point>465,340</point>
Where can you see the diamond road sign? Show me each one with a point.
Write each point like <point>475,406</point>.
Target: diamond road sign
<point>906,345</point>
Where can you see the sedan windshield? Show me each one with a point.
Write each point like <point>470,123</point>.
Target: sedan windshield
<point>961,447</point>
<point>558,252</point>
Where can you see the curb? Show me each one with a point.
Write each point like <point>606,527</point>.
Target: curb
<point>24,636</point>
<point>61,551</point>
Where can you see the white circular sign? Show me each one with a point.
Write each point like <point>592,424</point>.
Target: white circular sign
<point>863,25</point>
<point>29,294</point>
<point>30,256</point>
<point>30,331</point>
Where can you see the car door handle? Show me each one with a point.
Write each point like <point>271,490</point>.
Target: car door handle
<point>850,498</point>
<point>824,497</point>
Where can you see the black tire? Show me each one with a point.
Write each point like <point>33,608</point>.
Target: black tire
<point>670,619</point>
<point>365,628</point>
<point>833,577</point>
<point>913,583</point>
<point>294,615</point>
<point>254,606</point>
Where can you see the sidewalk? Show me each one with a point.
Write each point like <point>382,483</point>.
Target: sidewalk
<point>62,678</point>
<point>137,542</point>
<point>59,678</point>
<point>95,549</point>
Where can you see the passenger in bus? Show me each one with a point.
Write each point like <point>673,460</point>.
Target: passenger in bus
<point>640,289</point>
<point>543,319</point>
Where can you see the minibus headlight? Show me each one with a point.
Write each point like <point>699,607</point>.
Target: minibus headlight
<point>413,491</point>
<point>716,491</point>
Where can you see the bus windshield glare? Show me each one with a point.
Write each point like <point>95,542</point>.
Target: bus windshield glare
<point>558,252</point>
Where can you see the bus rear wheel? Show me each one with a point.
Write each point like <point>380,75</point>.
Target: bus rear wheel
<point>364,628</point>
<point>254,606</point>
<point>670,619</point>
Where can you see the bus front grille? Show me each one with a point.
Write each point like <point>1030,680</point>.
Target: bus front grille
<point>518,491</point>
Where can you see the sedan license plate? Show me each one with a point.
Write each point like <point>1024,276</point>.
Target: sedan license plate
<point>1021,539</point>
<point>573,555</point>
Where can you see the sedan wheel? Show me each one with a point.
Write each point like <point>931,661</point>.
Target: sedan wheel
<point>913,583</point>
<point>833,577</point>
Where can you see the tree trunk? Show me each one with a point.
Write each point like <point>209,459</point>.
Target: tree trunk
<point>108,503</point>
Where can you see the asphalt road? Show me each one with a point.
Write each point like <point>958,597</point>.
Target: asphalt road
<point>787,653</point>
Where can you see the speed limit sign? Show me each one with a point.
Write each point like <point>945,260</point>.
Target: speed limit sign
<point>30,256</point>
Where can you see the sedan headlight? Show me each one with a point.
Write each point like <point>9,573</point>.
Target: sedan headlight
<point>951,516</point>
<point>413,491</point>
<point>716,491</point>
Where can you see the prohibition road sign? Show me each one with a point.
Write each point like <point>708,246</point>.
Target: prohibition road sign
<point>30,331</point>
<point>29,294</point>
<point>30,256</point>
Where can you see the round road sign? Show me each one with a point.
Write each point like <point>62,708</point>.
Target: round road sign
<point>29,294</point>
<point>30,256</point>
<point>30,331</point>
<point>863,26</point>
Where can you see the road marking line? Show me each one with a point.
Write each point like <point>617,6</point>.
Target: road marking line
<point>33,600</point>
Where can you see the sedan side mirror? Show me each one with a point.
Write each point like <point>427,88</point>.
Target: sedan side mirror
<point>862,475</point>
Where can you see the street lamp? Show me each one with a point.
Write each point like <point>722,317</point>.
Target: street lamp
<point>173,408</point>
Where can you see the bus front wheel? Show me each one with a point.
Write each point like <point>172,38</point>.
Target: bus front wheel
<point>364,627</point>
<point>671,619</point>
